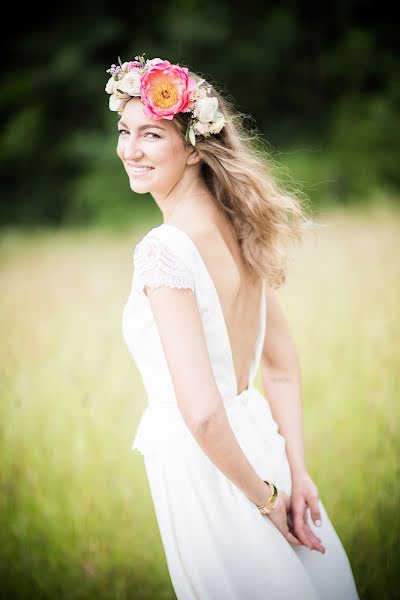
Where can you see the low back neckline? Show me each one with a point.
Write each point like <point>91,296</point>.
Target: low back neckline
<point>229,345</point>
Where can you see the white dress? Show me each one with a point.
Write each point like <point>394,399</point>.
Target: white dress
<point>218,546</point>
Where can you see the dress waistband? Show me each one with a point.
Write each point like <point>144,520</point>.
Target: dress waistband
<point>241,398</point>
<point>162,425</point>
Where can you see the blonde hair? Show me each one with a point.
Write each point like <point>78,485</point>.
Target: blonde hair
<point>237,171</point>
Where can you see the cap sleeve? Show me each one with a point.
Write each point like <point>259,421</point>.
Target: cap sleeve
<point>158,264</point>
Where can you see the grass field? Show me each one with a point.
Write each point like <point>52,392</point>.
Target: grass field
<point>76,518</point>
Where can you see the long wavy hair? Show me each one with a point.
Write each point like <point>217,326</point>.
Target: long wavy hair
<point>237,170</point>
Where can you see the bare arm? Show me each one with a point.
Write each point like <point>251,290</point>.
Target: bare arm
<point>282,382</point>
<point>182,336</point>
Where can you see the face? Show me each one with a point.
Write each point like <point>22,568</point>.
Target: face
<point>153,152</point>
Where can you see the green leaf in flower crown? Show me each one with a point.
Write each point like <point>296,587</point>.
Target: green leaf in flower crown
<point>192,136</point>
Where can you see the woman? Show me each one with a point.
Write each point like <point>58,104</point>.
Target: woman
<point>239,516</point>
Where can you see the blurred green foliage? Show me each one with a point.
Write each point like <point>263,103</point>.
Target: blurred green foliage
<point>320,81</point>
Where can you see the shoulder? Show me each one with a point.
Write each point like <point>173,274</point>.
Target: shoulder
<point>164,257</point>
<point>165,236</point>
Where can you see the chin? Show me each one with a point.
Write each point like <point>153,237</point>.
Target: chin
<point>139,189</point>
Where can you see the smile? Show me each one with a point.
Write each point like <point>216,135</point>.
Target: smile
<point>138,171</point>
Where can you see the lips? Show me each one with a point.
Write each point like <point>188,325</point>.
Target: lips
<point>139,170</point>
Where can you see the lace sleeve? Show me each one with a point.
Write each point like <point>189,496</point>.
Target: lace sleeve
<point>156,265</point>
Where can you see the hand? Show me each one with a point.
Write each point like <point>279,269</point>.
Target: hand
<point>278,516</point>
<point>305,495</point>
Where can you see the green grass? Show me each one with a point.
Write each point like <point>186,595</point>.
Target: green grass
<point>76,516</point>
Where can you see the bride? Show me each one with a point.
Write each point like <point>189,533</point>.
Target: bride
<point>239,515</point>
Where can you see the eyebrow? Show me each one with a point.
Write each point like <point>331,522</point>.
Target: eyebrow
<point>142,126</point>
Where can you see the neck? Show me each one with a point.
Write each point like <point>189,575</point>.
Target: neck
<point>188,192</point>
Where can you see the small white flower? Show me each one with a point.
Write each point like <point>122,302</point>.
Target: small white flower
<point>205,109</point>
<point>117,90</point>
<point>197,93</point>
<point>110,85</point>
<point>207,129</point>
<point>130,84</point>
<point>201,128</point>
<point>116,104</point>
<point>217,125</point>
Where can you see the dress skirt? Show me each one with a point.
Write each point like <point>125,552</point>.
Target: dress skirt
<point>217,544</point>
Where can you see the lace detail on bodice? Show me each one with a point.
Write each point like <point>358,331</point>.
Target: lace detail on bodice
<point>156,264</point>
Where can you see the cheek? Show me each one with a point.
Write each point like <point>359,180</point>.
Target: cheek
<point>177,148</point>
<point>162,154</point>
<point>173,155</point>
<point>119,149</point>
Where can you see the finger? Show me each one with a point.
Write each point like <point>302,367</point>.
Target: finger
<point>298,522</point>
<point>315,541</point>
<point>293,539</point>
<point>309,532</point>
<point>313,503</point>
<point>299,529</point>
<point>290,536</point>
<point>298,513</point>
<point>293,533</point>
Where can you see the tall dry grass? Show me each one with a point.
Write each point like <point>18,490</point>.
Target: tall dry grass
<point>76,514</point>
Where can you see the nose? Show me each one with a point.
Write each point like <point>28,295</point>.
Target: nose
<point>132,150</point>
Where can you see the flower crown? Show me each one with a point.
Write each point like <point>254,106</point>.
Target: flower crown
<point>165,90</point>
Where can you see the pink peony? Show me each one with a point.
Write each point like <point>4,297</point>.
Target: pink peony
<point>165,89</point>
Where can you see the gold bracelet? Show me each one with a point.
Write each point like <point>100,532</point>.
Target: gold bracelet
<point>272,501</point>
<point>270,496</point>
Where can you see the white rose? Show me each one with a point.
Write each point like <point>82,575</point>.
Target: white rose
<point>207,129</point>
<point>117,91</point>
<point>130,84</point>
<point>198,92</point>
<point>201,128</point>
<point>110,85</point>
<point>205,109</point>
<point>116,104</point>
<point>217,125</point>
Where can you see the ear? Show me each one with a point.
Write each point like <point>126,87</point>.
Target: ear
<point>193,157</point>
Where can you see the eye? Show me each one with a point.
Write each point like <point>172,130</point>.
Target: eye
<point>122,131</point>
<point>151,133</point>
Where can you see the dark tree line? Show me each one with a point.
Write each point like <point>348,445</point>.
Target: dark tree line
<point>324,76</point>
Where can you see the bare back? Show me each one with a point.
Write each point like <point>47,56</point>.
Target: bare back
<point>239,291</point>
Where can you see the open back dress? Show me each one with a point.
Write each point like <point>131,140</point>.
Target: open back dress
<point>218,546</point>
